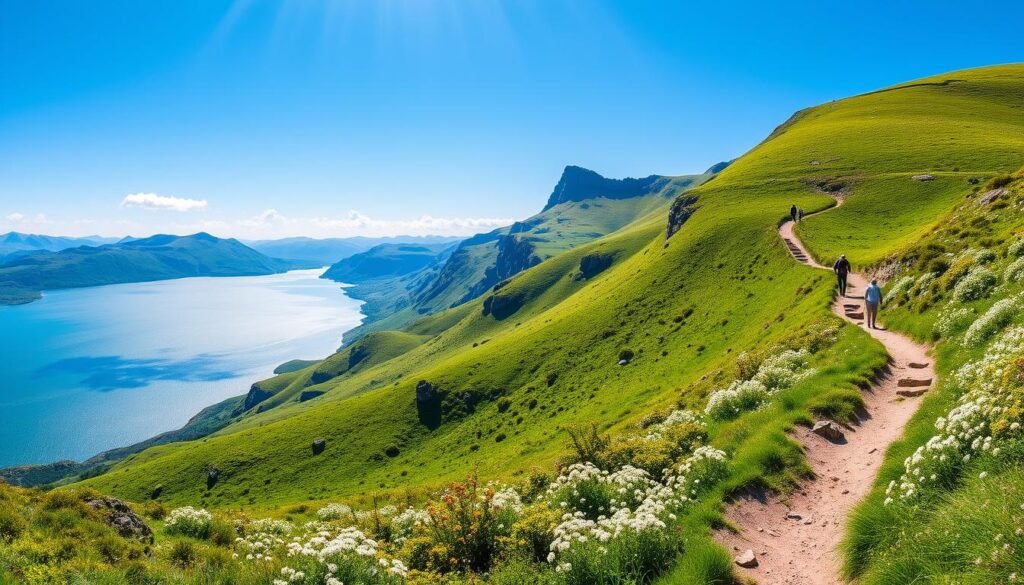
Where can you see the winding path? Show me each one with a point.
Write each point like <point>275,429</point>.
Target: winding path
<point>795,537</point>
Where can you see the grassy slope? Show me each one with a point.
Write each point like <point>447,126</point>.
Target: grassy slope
<point>726,263</point>
<point>551,232</point>
<point>878,547</point>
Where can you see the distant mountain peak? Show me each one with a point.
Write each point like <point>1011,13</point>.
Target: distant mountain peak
<point>578,184</point>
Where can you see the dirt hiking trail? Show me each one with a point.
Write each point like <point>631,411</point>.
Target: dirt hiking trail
<point>795,538</point>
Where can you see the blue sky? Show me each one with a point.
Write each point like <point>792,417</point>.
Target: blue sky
<point>255,118</point>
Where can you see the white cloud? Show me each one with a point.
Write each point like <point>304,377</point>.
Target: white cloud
<point>356,223</point>
<point>21,218</point>
<point>162,202</point>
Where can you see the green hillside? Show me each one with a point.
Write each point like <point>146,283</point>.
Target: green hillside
<point>582,207</point>
<point>158,257</point>
<point>694,305</point>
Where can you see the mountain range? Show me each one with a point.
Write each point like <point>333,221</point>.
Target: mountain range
<point>159,257</point>
<point>656,347</point>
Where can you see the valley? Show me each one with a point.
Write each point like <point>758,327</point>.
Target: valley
<point>624,387</point>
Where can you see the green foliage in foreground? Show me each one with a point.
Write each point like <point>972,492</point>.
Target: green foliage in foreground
<point>954,510</point>
<point>508,383</point>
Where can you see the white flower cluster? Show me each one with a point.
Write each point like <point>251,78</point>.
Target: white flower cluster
<point>899,288</point>
<point>1016,249</point>
<point>978,283</point>
<point>333,512</point>
<point>998,316</point>
<point>407,523</point>
<point>1015,271</point>
<point>674,419</point>
<point>507,498</point>
<point>966,432</point>
<point>271,526</point>
<point>953,319</point>
<point>642,503</point>
<point>188,521</point>
<point>775,373</point>
<point>330,548</point>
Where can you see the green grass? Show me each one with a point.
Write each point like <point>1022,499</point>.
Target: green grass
<point>722,285</point>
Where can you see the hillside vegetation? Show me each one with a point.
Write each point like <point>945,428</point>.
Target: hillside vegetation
<point>691,341</point>
<point>583,207</point>
<point>159,257</point>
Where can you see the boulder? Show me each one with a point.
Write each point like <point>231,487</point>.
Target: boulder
<point>746,559</point>
<point>828,429</point>
<point>319,445</point>
<point>990,196</point>
<point>120,517</point>
<point>924,177</point>
<point>623,362</point>
<point>425,392</point>
<point>212,476</point>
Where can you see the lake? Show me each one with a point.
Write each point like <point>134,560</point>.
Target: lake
<point>85,370</point>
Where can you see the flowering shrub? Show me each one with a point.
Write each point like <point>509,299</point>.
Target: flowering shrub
<point>976,285</point>
<point>987,418</point>
<point>899,289</point>
<point>189,521</point>
<point>631,537</point>
<point>1015,271</point>
<point>998,316</point>
<point>1016,249</point>
<point>467,526</point>
<point>953,319</point>
<point>333,512</point>
<point>775,373</point>
<point>738,398</point>
<point>408,523</point>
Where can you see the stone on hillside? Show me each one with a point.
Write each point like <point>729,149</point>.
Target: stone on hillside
<point>793,516</point>
<point>623,362</point>
<point>746,559</point>
<point>924,177</point>
<point>855,314</point>
<point>425,392</point>
<point>120,517</point>
<point>911,392</point>
<point>212,476</point>
<point>319,445</point>
<point>918,365</point>
<point>990,196</point>
<point>828,429</point>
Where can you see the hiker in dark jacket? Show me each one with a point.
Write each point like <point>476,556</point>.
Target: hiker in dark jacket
<point>792,212</point>
<point>842,268</point>
<point>799,214</point>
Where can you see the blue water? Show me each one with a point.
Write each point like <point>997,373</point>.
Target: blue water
<point>85,370</point>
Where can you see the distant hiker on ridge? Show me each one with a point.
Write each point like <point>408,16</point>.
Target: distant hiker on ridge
<point>799,214</point>
<point>792,212</point>
<point>872,299</point>
<point>842,268</point>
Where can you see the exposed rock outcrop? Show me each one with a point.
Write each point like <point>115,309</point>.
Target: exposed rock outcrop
<point>683,207</point>
<point>255,396</point>
<point>120,517</point>
<point>577,184</point>
<point>595,263</point>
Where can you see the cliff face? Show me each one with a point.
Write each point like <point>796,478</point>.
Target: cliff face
<point>578,184</point>
<point>681,210</point>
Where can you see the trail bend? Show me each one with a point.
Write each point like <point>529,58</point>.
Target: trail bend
<point>804,550</point>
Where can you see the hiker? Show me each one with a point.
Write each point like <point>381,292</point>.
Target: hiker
<point>872,299</point>
<point>799,214</point>
<point>792,212</point>
<point>842,268</point>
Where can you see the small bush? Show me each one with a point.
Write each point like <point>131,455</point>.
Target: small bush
<point>953,320</point>
<point>1016,249</point>
<point>1015,271</point>
<point>12,525</point>
<point>333,512</point>
<point>976,285</point>
<point>189,521</point>
<point>998,316</point>
<point>738,398</point>
<point>183,554</point>
<point>957,270</point>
